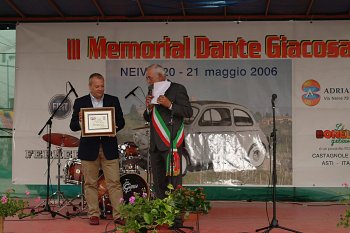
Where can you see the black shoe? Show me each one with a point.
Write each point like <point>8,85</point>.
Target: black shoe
<point>119,221</point>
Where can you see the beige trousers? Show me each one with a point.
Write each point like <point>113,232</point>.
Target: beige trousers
<point>91,175</point>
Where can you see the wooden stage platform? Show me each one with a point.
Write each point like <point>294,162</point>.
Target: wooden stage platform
<point>224,217</point>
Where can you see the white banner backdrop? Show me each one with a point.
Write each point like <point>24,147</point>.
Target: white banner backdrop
<point>301,62</point>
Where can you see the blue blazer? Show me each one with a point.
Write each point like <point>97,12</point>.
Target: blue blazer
<point>89,146</point>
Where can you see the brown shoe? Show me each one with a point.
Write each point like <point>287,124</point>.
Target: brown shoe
<point>93,220</point>
<point>119,221</point>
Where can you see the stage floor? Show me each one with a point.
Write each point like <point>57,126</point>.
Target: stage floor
<point>224,217</point>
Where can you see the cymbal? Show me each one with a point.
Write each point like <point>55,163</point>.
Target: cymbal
<point>63,140</point>
<point>142,127</point>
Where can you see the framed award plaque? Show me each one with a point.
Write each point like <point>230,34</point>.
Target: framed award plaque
<point>97,122</point>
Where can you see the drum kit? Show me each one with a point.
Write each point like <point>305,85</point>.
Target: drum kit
<point>60,140</point>
<point>134,170</point>
<point>133,167</point>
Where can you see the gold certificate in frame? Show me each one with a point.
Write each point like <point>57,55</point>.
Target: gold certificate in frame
<point>97,122</point>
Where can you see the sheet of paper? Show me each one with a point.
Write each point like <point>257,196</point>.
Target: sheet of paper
<point>159,88</point>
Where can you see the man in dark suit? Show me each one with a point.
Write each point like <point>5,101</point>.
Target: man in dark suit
<point>170,107</point>
<point>99,152</point>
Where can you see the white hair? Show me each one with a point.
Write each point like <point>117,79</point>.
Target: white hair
<point>158,69</point>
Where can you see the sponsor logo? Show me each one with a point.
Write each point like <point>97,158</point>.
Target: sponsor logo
<point>339,135</point>
<point>310,89</point>
<point>65,109</point>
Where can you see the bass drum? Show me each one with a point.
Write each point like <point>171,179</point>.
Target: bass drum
<point>131,183</point>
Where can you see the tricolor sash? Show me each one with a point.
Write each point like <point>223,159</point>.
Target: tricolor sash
<point>164,133</point>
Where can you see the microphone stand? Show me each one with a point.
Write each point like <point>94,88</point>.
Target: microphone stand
<point>138,99</point>
<point>274,221</point>
<point>133,93</point>
<point>48,124</point>
<point>171,165</point>
<point>149,172</point>
<point>178,223</point>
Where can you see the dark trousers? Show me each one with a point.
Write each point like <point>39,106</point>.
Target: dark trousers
<point>160,180</point>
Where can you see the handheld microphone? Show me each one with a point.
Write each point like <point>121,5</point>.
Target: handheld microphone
<point>72,88</point>
<point>150,89</point>
<point>150,93</point>
<point>131,92</point>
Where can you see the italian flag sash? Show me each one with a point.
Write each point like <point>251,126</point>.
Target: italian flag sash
<point>164,133</point>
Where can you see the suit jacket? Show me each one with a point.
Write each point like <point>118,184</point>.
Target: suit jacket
<point>181,108</point>
<point>89,146</point>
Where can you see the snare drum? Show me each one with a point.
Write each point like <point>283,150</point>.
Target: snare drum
<point>129,149</point>
<point>129,157</point>
<point>73,171</point>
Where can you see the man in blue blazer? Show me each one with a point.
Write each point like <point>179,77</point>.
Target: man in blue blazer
<point>98,153</point>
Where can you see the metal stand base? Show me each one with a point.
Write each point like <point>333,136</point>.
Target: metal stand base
<point>274,224</point>
<point>79,209</point>
<point>47,208</point>
<point>46,205</point>
<point>61,199</point>
<point>82,204</point>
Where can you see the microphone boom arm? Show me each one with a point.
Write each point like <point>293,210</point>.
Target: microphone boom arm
<point>132,92</point>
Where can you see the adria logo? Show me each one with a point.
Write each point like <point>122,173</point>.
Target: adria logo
<point>311,87</point>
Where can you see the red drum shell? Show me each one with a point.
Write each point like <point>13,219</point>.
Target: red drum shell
<point>73,171</point>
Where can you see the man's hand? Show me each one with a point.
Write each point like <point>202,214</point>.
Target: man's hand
<point>148,102</point>
<point>164,101</point>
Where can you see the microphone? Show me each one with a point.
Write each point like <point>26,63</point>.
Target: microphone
<point>131,92</point>
<point>72,88</point>
<point>150,92</point>
<point>150,89</point>
<point>274,97</point>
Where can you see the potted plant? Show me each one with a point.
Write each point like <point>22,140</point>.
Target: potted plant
<point>191,200</point>
<point>10,206</point>
<point>142,213</point>
<point>344,220</point>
